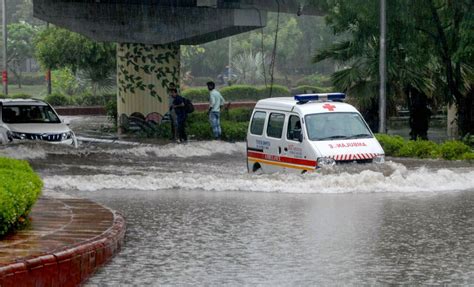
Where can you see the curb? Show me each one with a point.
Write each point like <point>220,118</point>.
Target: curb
<point>68,266</point>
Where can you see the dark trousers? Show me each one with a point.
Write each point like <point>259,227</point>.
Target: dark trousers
<point>182,129</point>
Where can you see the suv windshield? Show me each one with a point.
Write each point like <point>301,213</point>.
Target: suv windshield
<point>333,126</point>
<point>29,114</point>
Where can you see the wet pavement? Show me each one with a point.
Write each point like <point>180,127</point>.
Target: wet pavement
<point>65,240</point>
<point>196,217</point>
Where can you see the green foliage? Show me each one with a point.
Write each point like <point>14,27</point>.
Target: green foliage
<point>57,99</point>
<point>3,96</point>
<point>420,149</point>
<point>453,150</point>
<point>64,81</point>
<point>200,130</point>
<point>234,131</point>
<point>450,150</point>
<point>20,47</point>
<point>20,187</point>
<point>196,94</point>
<point>240,92</point>
<point>237,93</point>
<point>310,89</point>
<point>315,80</point>
<point>237,115</point>
<point>21,96</point>
<point>468,156</point>
<point>28,79</point>
<point>390,144</point>
<point>88,99</point>
<point>276,91</point>
<point>58,48</point>
<point>111,110</point>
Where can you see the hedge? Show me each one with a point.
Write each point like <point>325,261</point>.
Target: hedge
<point>237,93</point>
<point>20,187</point>
<point>309,89</point>
<point>57,99</point>
<point>450,150</point>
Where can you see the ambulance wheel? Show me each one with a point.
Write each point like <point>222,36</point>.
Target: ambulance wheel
<point>256,167</point>
<point>304,171</point>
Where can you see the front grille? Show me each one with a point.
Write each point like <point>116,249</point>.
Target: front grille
<point>354,161</point>
<point>44,137</point>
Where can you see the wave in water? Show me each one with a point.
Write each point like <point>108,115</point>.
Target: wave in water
<point>191,149</point>
<point>367,181</point>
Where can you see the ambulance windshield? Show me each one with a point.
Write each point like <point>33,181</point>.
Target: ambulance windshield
<point>336,126</point>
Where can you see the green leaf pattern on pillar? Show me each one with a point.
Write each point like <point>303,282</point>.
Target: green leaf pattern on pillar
<point>136,60</point>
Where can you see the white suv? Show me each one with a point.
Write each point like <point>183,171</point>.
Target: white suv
<point>32,119</point>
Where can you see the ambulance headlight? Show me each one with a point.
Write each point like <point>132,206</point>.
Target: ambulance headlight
<point>379,159</point>
<point>326,161</point>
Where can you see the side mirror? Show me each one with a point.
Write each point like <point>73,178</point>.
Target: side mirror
<point>300,137</point>
<point>66,121</point>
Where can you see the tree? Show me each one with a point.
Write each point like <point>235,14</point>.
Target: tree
<point>59,48</point>
<point>20,47</point>
<point>415,69</point>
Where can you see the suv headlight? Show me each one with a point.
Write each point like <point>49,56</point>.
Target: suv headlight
<point>326,161</point>
<point>16,135</point>
<point>379,159</point>
<point>66,136</point>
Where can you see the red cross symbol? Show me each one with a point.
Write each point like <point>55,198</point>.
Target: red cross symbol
<point>329,107</point>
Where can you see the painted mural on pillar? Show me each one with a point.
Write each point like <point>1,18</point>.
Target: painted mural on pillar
<point>144,73</point>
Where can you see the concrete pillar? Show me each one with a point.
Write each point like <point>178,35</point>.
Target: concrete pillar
<point>143,75</point>
<point>452,121</point>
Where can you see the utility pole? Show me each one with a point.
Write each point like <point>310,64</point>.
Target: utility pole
<point>382,69</point>
<point>5,60</point>
<point>48,73</point>
<point>229,71</point>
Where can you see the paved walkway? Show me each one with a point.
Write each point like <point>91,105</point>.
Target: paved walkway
<point>66,241</point>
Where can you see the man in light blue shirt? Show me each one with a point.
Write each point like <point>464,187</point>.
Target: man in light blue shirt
<point>215,102</point>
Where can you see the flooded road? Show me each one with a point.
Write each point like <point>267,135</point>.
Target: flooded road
<point>196,217</point>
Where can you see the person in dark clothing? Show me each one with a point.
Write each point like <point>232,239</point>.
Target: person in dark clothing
<point>178,106</point>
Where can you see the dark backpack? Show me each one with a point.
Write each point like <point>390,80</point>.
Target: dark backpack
<point>188,106</point>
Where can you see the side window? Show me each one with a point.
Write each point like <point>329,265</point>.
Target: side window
<point>294,128</point>
<point>275,125</point>
<point>258,121</point>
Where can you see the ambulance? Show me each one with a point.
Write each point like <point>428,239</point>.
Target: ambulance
<point>308,132</point>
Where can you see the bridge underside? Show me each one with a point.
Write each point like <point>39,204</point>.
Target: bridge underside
<point>156,28</point>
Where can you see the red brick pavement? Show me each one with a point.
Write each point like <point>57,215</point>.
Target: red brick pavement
<point>67,240</point>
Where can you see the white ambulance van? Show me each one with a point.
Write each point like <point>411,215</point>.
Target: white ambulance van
<point>307,132</point>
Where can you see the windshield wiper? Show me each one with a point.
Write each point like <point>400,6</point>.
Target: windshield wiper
<point>360,136</point>
<point>332,138</point>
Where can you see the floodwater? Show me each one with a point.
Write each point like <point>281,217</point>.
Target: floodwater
<point>196,217</point>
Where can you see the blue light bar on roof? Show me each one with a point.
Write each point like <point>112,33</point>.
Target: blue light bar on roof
<point>320,97</point>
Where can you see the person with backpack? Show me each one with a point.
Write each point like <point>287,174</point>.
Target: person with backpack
<point>215,102</point>
<point>178,106</point>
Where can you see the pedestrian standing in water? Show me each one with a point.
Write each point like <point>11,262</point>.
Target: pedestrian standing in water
<point>215,102</point>
<point>178,107</point>
<point>174,124</point>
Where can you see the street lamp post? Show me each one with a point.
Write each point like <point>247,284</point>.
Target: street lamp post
<point>5,61</point>
<point>382,68</point>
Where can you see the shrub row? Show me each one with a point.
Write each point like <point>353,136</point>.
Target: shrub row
<point>238,93</point>
<point>450,150</point>
<point>16,96</point>
<point>57,99</point>
<point>28,79</point>
<point>309,89</point>
<point>234,125</point>
<point>20,187</point>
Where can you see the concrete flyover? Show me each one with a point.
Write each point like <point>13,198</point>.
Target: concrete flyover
<point>149,34</point>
